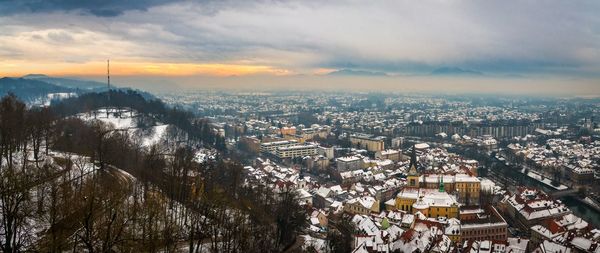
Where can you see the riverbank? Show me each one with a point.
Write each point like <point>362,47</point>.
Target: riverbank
<point>582,209</point>
<point>534,175</point>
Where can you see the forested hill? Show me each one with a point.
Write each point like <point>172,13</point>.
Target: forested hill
<point>81,85</point>
<point>41,89</point>
<point>196,129</point>
<point>66,82</point>
<point>28,89</point>
<point>69,184</point>
<point>114,98</point>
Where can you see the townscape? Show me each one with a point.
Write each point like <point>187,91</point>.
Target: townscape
<point>352,172</point>
<point>286,126</point>
<point>420,172</point>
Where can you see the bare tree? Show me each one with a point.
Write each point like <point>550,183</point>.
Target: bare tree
<point>16,209</point>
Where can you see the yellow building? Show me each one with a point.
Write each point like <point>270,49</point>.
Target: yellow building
<point>362,205</point>
<point>288,131</point>
<point>431,202</point>
<point>406,198</point>
<point>467,188</point>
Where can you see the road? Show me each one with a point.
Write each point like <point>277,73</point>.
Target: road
<point>68,226</point>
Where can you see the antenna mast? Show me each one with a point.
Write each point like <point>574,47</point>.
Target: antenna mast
<point>108,78</point>
<point>108,85</point>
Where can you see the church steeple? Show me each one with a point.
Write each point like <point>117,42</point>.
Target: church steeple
<point>441,183</point>
<point>413,175</point>
<point>413,157</point>
<point>412,167</point>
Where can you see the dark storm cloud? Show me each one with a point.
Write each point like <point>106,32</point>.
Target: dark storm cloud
<point>101,8</point>
<point>395,37</point>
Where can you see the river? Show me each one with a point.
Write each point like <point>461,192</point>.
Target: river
<point>516,178</point>
<point>582,210</point>
<point>579,208</point>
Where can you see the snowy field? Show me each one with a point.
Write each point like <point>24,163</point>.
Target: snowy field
<point>58,96</point>
<point>126,119</point>
<point>118,118</point>
<point>45,101</point>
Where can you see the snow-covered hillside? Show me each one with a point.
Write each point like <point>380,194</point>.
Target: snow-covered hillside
<point>46,100</point>
<point>127,119</point>
<point>118,118</point>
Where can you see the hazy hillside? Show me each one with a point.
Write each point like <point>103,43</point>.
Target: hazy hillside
<point>30,90</point>
<point>83,86</point>
<point>66,82</point>
<point>41,89</point>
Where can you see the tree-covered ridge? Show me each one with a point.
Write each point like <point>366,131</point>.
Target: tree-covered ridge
<point>197,129</point>
<point>28,89</point>
<point>70,185</point>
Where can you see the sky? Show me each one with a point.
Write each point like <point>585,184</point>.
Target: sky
<point>531,46</point>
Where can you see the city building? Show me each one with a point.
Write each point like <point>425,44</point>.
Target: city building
<point>432,203</point>
<point>465,187</point>
<point>362,205</point>
<point>397,142</point>
<point>390,154</point>
<point>326,152</point>
<point>288,130</point>
<point>368,142</point>
<point>349,163</point>
<point>480,224</point>
<point>529,207</point>
<point>271,147</point>
<point>296,151</point>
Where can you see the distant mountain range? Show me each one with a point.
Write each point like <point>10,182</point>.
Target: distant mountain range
<point>37,88</point>
<point>29,90</point>
<point>455,71</point>
<point>352,72</point>
<point>65,82</point>
<point>443,71</point>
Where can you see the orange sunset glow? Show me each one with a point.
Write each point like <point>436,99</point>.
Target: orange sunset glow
<point>384,45</point>
<point>98,68</point>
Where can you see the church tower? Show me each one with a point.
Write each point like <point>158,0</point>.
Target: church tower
<point>413,175</point>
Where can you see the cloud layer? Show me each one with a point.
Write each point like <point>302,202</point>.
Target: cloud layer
<point>399,38</point>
